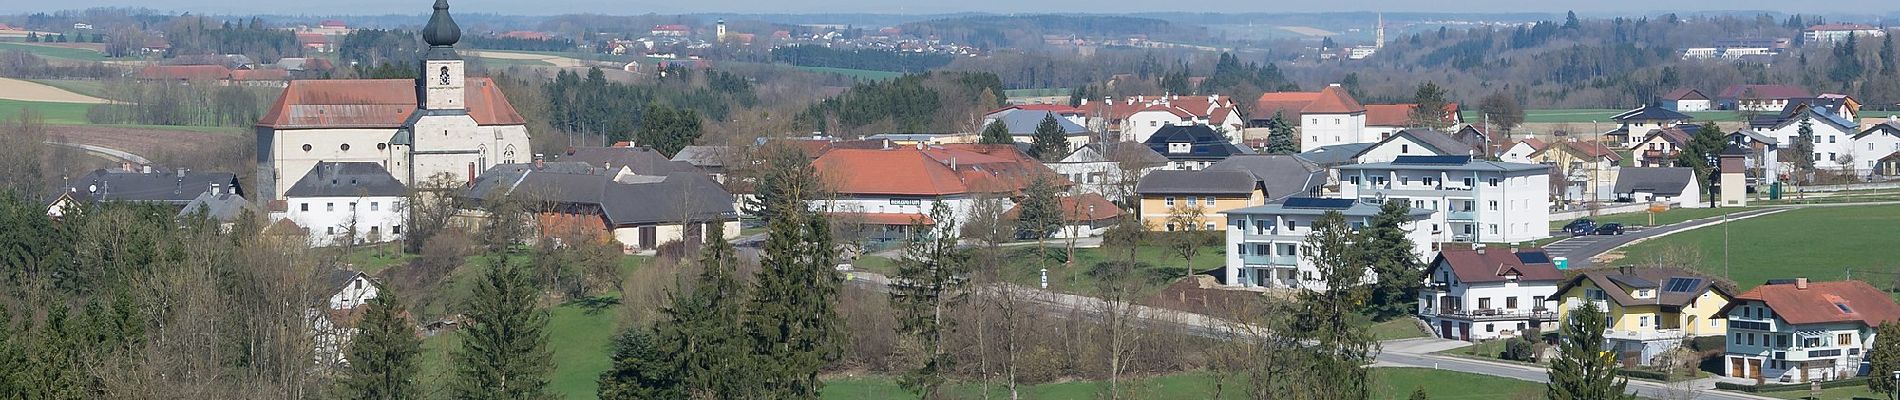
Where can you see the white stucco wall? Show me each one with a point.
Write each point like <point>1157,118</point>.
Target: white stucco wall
<point>327,218</point>
<point>1318,130</point>
<point>1515,210</point>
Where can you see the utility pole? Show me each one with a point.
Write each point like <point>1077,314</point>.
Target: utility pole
<point>1725,273</point>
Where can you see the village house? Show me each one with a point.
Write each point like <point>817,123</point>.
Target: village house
<point>1471,200</point>
<point>1174,200</point>
<point>1107,168</point>
<point>140,184</point>
<point>1521,151</point>
<point>1083,215</point>
<point>1022,126</point>
<point>1660,147</point>
<point>1634,126</point>
<point>1265,240</point>
<point>910,180</point>
<point>1675,186</point>
<point>1078,115</point>
<point>1332,116</point>
<point>1686,100</point>
<point>1483,294</point>
<point>346,202</point>
<point>711,159</point>
<point>1758,98</point>
<point>344,295</point>
<point>1589,168</point>
<point>1796,331</point>
<point>1831,122</point>
<point>1650,310</point>
<point>445,124</point>
<point>1877,150</point>
<point>1762,164</point>
<point>1192,147</point>
<point>1137,118</point>
<point>1416,142</point>
<point>587,201</point>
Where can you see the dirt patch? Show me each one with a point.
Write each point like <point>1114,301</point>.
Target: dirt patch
<point>150,143</point>
<point>15,89</point>
<point>558,61</point>
<point>1202,295</point>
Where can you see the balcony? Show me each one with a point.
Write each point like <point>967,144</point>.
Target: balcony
<point>1461,215</point>
<point>1644,335</point>
<point>1497,314</point>
<point>1269,260</point>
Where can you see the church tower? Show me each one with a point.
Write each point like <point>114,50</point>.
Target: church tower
<point>1378,33</point>
<point>442,77</point>
<point>721,29</point>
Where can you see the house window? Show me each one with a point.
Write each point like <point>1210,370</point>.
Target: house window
<point>329,206</point>
<point>1468,182</point>
<point>1830,156</point>
<point>303,206</point>
<point>344,147</point>
<point>1262,250</point>
<point>1170,227</point>
<point>1240,249</point>
<point>1510,302</point>
<point>1844,339</point>
<point>1192,201</point>
<point>1291,224</point>
<point>1209,226</point>
<point>1169,200</point>
<point>1738,338</point>
<point>1830,138</point>
<point>1209,201</point>
<point>1494,205</point>
<point>374,206</point>
<point>1260,226</point>
<point>1307,275</point>
<point>1781,340</point>
<point>1811,342</point>
<point>1642,321</point>
<point>1484,303</point>
<point>395,229</point>
<point>1490,328</point>
<point>1751,338</point>
<point>1405,149</point>
<point>1494,182</point>
<point>1354,180</point>
<point>1494,228</point>
<point>329,230</point>
<point>1594,294</point>
<point>1537,302</point>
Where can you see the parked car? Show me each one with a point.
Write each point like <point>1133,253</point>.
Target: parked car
<point>1580,227</point>
<point>1610,229</point>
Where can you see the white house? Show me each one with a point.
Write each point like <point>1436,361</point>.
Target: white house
<point>1484,294</point>
<point>1676,186</point>
<point>1877,150</point>
<point>357,201</point>
<point>1099,167</point>
<point>1471,200</point>
<point>1333,117</point>
<point>1417,142</point>
<point>1833,134</point>
<point>1136,118</point>
<point>1687,100</point>
<point>1267,240</point>
<point>1022,125</point>
<point>1521,151</point>
<point>446,123</point>
<point>333,319</point>
<point>1799,331</point>
<point>1634,125</point>
<point>1827,34</point>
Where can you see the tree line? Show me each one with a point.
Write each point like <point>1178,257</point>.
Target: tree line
<point>931,102</point>
<point>871,59</point>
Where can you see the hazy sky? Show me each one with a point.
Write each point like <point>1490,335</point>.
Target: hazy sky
<point>631,7</point>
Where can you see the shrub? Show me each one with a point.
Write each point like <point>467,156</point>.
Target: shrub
<point>1520,349</point>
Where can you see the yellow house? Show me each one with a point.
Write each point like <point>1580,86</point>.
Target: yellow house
<point>1650,310</point>
<point>1174,200</point>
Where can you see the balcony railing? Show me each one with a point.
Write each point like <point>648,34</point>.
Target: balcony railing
<point>1269,260</point>
<point>1644,335</point>
<point>1496,314</point>
<point>1461,215</point>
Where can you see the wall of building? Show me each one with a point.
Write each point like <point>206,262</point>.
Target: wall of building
<point>1517,210</point>
<point>328,218</point>
<point>1828,139</point>
<point>289,162</point>
<point>356,293</point>
<point>1318,130</point>
<point>1155,210</point>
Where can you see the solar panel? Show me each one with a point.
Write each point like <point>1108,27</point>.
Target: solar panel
<point>1533,257</point>
<point>1309,202</point>
<point>1417,160</point>
<point>1682,285</point>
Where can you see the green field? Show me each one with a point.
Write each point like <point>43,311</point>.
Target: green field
<point>1820,243</point>
<point>1840,393</point>
<point>855,73</point>
<point>1388,383</point>
<point>1641,218</point>
<point>50,113</point>
<point>54,52</point>
<point>1402,328</point>
<point>511,62</point>
<point>1600,115</point>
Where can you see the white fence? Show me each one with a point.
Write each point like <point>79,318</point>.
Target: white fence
<point>1785,189</point>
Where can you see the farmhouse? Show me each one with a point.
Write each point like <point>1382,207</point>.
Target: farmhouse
<point>1483,294</point>
<point>1676,186</point>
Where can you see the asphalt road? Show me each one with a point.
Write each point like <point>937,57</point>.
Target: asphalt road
<point>1415,353</point>
<point>1581,248</point>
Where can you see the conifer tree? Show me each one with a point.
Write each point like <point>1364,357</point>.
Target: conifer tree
<point>1050,143</point>
<point>383,354</point>
<point>1389,252</point>
<point>794,323</point>
<point>1885,358</point>
<point>640,369</point>
<point>1041,213</point>
<point>1280,138</point>
<point>1341,348</point>
<point>703,331</point>
<point>930,280</point>
<point>996,133</point>
<point>1583,369</point>
<point>504,352</point>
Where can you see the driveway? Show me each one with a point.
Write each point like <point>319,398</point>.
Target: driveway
<point>1581,249</point>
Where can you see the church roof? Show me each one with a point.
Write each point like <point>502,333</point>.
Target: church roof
<point>376,103</point>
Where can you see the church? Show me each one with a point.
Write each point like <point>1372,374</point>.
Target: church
<point>442,122</point>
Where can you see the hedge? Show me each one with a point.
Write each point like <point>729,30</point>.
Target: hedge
<point>1861,381</point>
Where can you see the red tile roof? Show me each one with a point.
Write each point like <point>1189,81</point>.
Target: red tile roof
<point>1075,209</point>
<point>1389,114</point>
<point>1592,150</point>
<point>1333,100</point>
<point>312,38</point>
<point>1493,265</point>
<point>1285,104</point>
<point>375,103</point>
<point>1534,143</point>
<point>185,72</point>
<point>931,171</point>
<point>1826,302</point>
<point>260,75</point>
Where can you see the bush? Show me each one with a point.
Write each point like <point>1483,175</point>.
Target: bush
<point>1644,374</point>
<point>1861,381</point>
<point>1709,343</point>
<point>1520,349</point>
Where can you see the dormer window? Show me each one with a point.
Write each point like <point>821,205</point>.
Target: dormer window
<point>1178,148</point>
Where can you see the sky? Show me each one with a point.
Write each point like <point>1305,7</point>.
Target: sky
<point>634,7</point>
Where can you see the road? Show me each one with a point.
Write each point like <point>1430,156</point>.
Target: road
<point>120,155</point>
<point>1581,249</point>
<point>1418,353</point>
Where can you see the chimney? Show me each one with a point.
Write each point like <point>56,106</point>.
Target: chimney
<point>181,173</point>
<point>1478,247</point>
<point>1801,283</point>
<point>126,166</point>
<point>953,163</point>
<point>887,144</point>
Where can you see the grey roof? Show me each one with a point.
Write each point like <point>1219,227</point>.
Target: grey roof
<point>1138,153</point>
<point>702,156</point>
<point>1661,181</point>
<point>1752,135</point>
<point>1793,114</point>
<point>1196,182</point>
<point>1338,154</point>
<point>175,188</point>
<point>641,160</point>
<point>659,199</point>
<point>347,179</point>
<point>1207,144</point>
<point>1438,141</point>
<point>1280,175</point>
<point>335,279</point>
<point>1024,122</point>
<point>1468,165</point>
<point>219,206</point>
<point>1358,209</point>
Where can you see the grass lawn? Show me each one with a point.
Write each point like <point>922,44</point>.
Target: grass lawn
<point>50,113</point>
<point>1388,383</point>
<point>1641,218</point>
<point>1830,241</point>
<point>375,258</point>
<point>55,52</point>
<point>1402,328</point>
<point>856,73</point>
<point>1490,349</point>
<point>222,130</point>
<point>1840,393</point>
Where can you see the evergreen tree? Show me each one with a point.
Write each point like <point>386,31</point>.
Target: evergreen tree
<point>785,179</point>
<point>1280,138</point>
<point>930,280</point>
<point>14,361</point>
<point>1847,66</point>
<point>1885,357</point>
<point>640,369</point>
<point>996,133</point>
<point>1326,315</point>
<point>1386,248</point>
<point>1571,21</point>
<point>504,352</point>
<point>383,354</point>
<point>1886,55</point>
<point>1051,144</point>
<point>794,322</point>
<point>1430,112</point>
<point>703,331</point>
<point>1583,369</point>
<point>1040,211</point>
<point>1803,148</point>
<point>1708,140</point>
<point>666,129</point>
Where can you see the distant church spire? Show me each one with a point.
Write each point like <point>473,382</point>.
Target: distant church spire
<point>441,80</point>
<point>441,31</point>
<point>1378,33</point>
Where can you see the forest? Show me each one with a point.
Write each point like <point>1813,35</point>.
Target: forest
<point>931,102</point>
<point>871,59</point>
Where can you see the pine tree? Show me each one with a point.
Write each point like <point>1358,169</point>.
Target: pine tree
<point>1430,112</point>
<point>1571,21</point>
<point>383,354</point>
<point>930,280</point>
<point>1341,348</point>
<point>1583,369</point>
<point>1386,248</point>
<point>14,361</point>
<point>640,369</point>
<point>794,322</point>
<point>1885,358</point>
<point>1040,211</point>
<point>504,352</point>
<point>996,133</point>
<point>703,331</point>
<point>1050,143</point>
<point>1886,55</point>
<point>1280,139</point>
<point>1804,151</point>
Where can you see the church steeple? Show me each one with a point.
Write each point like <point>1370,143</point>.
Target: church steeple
<point>442,74</point>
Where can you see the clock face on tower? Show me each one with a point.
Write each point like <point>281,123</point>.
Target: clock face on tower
<point>444,76</point>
